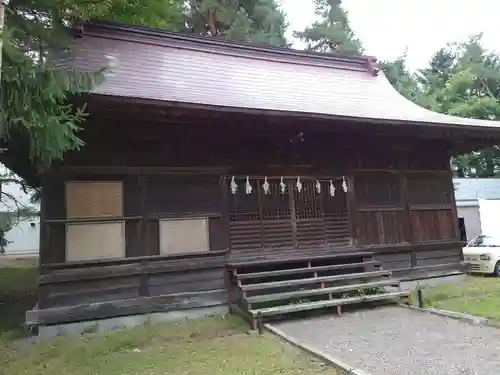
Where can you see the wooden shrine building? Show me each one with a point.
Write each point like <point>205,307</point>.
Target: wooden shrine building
<point>208,162</point>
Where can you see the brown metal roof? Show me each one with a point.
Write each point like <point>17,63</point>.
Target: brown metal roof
<point>150,64</point>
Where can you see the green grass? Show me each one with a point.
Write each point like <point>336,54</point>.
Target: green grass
<point>215,346</point>
<point>478,296</point>
<point>17,294</point>
<point>488,307</point>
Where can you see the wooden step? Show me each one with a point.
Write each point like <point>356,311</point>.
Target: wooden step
<point>340,255</point>
<point>278,310</point>
<point>291,271</point>
<point>313,280</point>
<point>317,292</point>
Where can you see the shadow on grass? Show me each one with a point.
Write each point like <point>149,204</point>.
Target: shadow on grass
<point>17,294</point>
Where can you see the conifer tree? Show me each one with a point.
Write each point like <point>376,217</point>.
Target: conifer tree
<point>255,21</point>
<point>462,79</point>
<point>35,94</point>
<point>332,32</point>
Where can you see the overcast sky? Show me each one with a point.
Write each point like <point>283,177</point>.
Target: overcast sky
<point>387,27</point>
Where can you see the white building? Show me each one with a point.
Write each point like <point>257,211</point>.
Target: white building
<point>478,205</point>
<point>24,237</point>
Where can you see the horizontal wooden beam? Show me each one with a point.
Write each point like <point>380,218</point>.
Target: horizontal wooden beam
<point>131,170</point>
<point>316,280</point>
<point>335,254</point>
<point>294,271</point>
<point>408,247</point>
<point>132,306</point>
<point>430,207</point>
<point>379,209</point>
<point>92,220</point>
<point>437,270</point>
<point>398,171</point>
<point>341,252</point>
<point>320,291</point>
<point>63,272</point>
<point>279,310</point>
<point>156,216</point>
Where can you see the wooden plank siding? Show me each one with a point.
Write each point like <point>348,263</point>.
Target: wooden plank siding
<point>92,282</point>
<point>399,204</point>
<point>143,274</point>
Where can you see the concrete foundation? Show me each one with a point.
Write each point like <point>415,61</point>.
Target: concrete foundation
<point>114,324</point>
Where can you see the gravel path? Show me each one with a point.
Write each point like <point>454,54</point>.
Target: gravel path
<point>398,341</point>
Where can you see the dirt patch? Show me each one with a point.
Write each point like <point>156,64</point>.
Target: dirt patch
<point>18,262</point>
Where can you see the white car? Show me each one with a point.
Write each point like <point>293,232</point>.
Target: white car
<point>483,254</point>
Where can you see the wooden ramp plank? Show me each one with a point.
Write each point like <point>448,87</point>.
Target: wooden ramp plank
<point>321,304</point>
<point>340,255</point>
<point>349,276</point>
<point>292,271</point>
<point>317,292</point>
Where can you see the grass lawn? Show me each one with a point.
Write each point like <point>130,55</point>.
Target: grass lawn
<point>214,346</point>
<point>17,294</point>
<point>477,295</point>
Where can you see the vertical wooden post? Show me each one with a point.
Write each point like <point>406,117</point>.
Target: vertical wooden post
<point>142,227</point>
<point>224,186</point>
<point>456,229</point>
<point>405,199</point>
<point>291,200</point>
<point>228,279</point>
<point>408,232</point>
<point>259,323</point>
<point>142,224</point>
<point>44,229</point>
<point>420,298</point>
<point>261,215</point>
<point>351,209</point>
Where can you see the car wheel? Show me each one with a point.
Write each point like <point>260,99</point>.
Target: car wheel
<point>497,269</point>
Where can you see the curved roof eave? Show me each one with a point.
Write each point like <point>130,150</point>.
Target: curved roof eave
<point>411,112</point>
<point>170,68</point>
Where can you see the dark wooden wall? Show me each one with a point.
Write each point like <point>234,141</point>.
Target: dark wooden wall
<point>400,203</point>
<point>155,282</point>
<point>405,209</point>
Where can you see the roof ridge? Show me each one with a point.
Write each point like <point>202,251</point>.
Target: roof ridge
<point>197,42</point>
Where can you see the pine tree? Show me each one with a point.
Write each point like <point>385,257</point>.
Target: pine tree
<point>255,21</point>
<point>34,92</point>
<point>462,79</point>
<point>332,33</point>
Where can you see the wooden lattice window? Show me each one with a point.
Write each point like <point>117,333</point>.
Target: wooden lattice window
<point>244,207</point>
<point>307,203</point>
<point>290,218</point>
<point>333,205</point>
<point>275,205</point>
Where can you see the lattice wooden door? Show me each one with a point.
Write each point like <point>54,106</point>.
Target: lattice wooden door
<point>287,219</point>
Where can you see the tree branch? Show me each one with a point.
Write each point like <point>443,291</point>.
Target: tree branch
<point>485,84</point>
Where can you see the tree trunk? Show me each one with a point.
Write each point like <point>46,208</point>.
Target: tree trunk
<point>2,9</point>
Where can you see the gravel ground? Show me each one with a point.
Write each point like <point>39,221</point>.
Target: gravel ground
<point>398,341</point>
